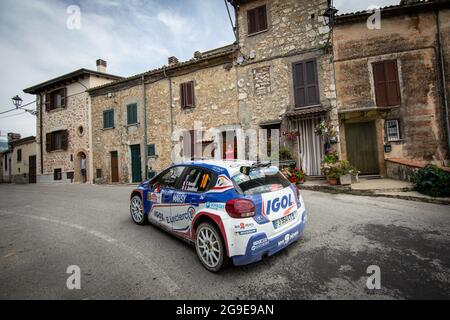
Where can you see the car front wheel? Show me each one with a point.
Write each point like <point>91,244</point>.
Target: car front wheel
<point>210,247</point>
<point>137,211</point>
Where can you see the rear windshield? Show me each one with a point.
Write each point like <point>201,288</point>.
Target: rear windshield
<point>261,180</point>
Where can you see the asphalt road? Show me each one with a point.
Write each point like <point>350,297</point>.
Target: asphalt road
<point>45,229</point>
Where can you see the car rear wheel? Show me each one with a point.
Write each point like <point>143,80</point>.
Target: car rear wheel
<point>137,211</point>
<point>210,247</point>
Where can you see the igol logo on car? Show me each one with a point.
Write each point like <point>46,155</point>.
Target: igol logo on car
<point>188,215</point>
<point>276,204</point>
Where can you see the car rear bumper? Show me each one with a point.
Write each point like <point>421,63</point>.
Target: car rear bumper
<point>259,245</point>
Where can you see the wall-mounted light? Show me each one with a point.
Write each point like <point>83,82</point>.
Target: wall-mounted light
<point>329,15</point>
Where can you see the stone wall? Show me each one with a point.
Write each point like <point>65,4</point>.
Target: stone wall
<point>411,41</point>
<point>216,106</point>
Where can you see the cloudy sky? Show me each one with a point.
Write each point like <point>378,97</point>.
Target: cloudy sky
<point>132,35</point>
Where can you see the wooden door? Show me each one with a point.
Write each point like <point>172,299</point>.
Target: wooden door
<point>361,141</point>
<point>114,167</point>
<point>32,169</point>
<point>136,167</point>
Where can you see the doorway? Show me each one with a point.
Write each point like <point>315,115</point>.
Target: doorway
<point>32,169</point>
<point>361,142</point>
<point>81,168</point>
<point>311,146</point>
<point>114,167</point>
<point>136,167</point>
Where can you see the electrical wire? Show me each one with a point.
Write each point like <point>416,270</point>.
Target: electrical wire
<point>14,115</point>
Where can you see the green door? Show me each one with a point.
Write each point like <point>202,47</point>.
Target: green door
<point>361,141</point>
<point>136,168</point>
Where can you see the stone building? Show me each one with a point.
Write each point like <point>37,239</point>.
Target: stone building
<point>392,87</point>
<point>284,73</point>
<point>138,121</point>
<point>23,160</point>
<point>63,130</point>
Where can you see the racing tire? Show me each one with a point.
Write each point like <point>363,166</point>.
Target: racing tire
<point>137,211</point>
<point>210,247</point>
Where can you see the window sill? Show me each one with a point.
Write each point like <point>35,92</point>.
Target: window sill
<point>396,141</point>
<point>257,33</point>
<point>133,125</point>
<point>108,129</point>
<point>310,106</point>
<point>56,110</point>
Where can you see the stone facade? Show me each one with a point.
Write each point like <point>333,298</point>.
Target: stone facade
<point>296,32</point>
<point>215,106</point>
<point>408,38</point>
<point>74,117</point>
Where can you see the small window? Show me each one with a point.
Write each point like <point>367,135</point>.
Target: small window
<point>57,174</point>
<point>70,175</point>
<point>257,20</point>
<point>196,180</point>
<point>392,130</point>
<point>56,99</point>
<point>19,155</point>
<point>99,173</point>
<point>170,178</point>
<point>187,94</point>
<point>108,119</point>
<point>132,116</point>
<point>151,150</point>
<point>56,141</point>
<point>80,131</point>
<point>386,83</point>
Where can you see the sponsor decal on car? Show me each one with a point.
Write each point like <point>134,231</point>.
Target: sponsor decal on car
<point>246,232</point>
<point>188,215</point>
<point>260,244</point>
<point>179,198</point>
<point>158,215</point>
<point>215,206</point>
<point>287,239</point>
<point>277,204</point>
<point>244,225</point>
<point>154,197</point>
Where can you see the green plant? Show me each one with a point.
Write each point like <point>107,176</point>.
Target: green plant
<point>285,154</point>
<point>432,181</point>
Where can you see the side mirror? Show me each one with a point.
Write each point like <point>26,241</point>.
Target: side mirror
<point>245,170</point>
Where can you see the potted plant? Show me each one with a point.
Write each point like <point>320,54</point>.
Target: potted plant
<point>294,175</point>
<point>345,176</point>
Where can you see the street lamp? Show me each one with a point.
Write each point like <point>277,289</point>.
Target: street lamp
<point>329,15</point>
<point>17,101</point>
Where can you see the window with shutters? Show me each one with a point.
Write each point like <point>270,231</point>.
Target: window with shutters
<point>19,155</point>
<point>306,85</point>
<point>132,116</point>
<point>386,83</point>
<point>57,174</point>
<point>108,119</point>
<point>187,94</point>
<point>57,141</point>
<point>257,20</point>
<point>392,130</point>
<point>56,99</point>
<point>151,150</point>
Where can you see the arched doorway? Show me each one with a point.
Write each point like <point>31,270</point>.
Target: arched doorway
<point>81,166</point>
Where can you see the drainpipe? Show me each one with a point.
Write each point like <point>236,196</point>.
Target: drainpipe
<point>443,80</point>
<point>145,128</point>
<point>170,105</point>
<point>41,114</point>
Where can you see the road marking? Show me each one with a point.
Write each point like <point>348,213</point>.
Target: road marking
<point>170,284</point>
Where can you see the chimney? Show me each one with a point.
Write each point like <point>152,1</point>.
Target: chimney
<point>173,60</point>
<point>13,137</point>
<point>101,66</point>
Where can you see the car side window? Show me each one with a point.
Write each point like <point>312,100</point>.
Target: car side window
<point>170,178</point>
<point>196,180</point>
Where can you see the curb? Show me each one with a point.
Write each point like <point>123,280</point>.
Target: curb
<point>373,193</point>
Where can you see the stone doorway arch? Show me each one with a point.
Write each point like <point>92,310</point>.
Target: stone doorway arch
<point>78,177</point>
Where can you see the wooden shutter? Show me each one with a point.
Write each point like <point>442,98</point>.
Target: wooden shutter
<point>48,142</point>
<point>386,83</point>
<point>306,88</point>
<point>65,140</point>
<point>251,20</point>
<point>187,94</point>
<point>111,118</point>
<point>63,93</point>
<point>392,83</point>
<point>380,84</point>
<point>257,19</point>
<point>48,98</point>
<point>261,18</point>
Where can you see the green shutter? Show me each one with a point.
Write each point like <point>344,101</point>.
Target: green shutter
<point>151,150</point>
<point>108,119</point>
<point>111,118</point>
<point>105,119</point>
<point>132,114</point>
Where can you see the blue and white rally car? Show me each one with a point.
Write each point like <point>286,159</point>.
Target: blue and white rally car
<point>234,210</point>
